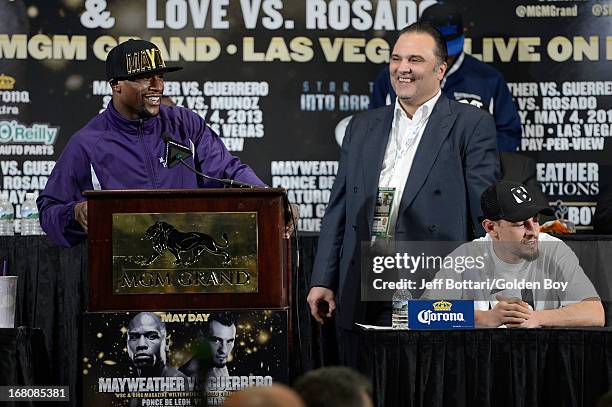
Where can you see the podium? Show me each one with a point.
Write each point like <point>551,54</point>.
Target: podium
<point>189,291</point>
<point>273,258</point>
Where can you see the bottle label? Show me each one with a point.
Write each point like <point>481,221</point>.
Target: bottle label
<point>400,306</point>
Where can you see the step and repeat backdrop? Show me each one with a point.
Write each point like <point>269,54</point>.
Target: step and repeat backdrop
<point>275,79</point>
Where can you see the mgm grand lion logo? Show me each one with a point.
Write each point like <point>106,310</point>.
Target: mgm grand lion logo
<point>187,247</point>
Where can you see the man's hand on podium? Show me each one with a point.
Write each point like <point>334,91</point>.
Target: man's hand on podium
<point>322,303</point>
<point>291,219</point>
<point>80,214</point>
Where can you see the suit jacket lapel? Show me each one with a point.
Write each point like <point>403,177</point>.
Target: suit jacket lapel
<point>373,153</point>
<point>437,130</point>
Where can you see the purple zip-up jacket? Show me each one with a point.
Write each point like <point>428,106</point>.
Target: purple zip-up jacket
<point>129,154</point>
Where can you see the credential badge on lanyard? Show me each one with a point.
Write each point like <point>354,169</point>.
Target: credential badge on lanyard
<point>382,212</point>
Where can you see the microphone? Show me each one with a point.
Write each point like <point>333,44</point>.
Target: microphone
<point>177,153</point>
<point>527,296</point>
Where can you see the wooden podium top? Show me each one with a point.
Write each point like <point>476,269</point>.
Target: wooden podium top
<point>272,255</point>
<point>180,192</point>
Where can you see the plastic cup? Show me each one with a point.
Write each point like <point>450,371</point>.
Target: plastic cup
<point>8,299</point>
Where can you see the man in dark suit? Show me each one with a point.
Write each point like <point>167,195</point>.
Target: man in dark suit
<point>435,155</point>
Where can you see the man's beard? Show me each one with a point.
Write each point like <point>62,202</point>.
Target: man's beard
<point>146,363</point>
<point>530,255</point>
<point>219,364</point>
<point>519,250</point>
<point>144,113</point>
<point>153,369</point>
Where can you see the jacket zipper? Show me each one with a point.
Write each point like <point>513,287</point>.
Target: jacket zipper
<point>148,158</point>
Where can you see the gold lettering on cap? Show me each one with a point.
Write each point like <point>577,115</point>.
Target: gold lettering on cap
<point>151,56</point>
<point>130,62</point>
<point>160,60</point>
<point>135,62</point>
<point>138,64</point>
<point>145,62</point>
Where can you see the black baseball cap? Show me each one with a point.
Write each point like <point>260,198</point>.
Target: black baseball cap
<point>510,201</point>
<point>135,57</point>
<point>447,19</point>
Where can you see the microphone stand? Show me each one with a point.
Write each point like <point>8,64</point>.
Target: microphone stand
<point>227,182</point>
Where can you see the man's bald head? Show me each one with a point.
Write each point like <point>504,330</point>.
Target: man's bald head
<point>276,395</point>
<point>147,318</point>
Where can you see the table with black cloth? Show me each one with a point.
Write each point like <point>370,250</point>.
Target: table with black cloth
<point>488,367</point>
<point>24,360</point>
<point>52,294</point>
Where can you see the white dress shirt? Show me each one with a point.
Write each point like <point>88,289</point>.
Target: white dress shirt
<point>403,141</point>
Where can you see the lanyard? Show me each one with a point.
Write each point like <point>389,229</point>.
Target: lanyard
<point>401,150</point>
<point>408,142</point>
<point>402,145</point>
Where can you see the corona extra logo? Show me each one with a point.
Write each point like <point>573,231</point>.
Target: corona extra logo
<point>441,313</point>
<point>6,82</point>
<point>442,306</point>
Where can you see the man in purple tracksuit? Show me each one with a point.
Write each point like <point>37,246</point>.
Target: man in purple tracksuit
<point>123,148</point>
